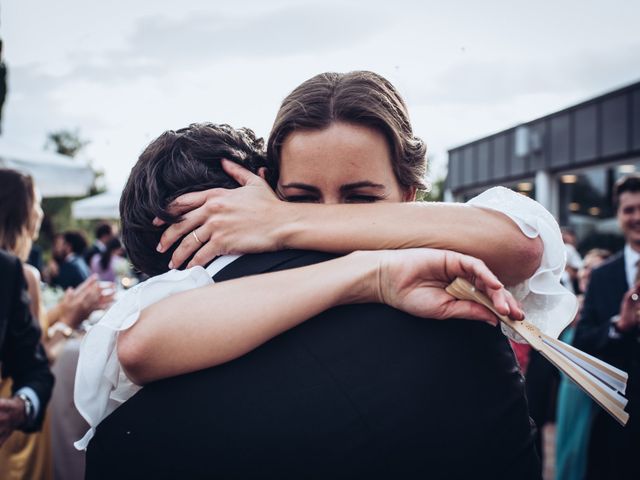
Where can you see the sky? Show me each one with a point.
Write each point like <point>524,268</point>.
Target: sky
<point>122,72</point>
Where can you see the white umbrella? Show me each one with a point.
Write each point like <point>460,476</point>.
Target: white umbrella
<point>55,175</point>
<point>103,206</point>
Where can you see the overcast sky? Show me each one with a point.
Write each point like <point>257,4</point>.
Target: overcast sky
<point>124,71</point>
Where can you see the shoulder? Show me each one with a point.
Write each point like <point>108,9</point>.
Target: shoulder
<point>32,276</point>
<point>8,262</point>
<point>252,264</point>
<point>612,266</point>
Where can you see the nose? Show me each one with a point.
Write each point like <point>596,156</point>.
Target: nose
<point>331,200</point>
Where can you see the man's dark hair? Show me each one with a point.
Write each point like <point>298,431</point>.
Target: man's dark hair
<point>102,230</point>
<point>76,240</point>
<point>178,162</point>
<point>628,183</point>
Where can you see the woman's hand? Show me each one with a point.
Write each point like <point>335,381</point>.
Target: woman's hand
<point>77,304</point>
<point>414,280</point>
<point>241,220</point>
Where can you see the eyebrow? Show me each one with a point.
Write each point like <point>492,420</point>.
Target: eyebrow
<point>343,188</point>
<point>301,186</point>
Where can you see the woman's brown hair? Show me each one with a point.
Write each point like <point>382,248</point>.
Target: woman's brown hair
<point>361,98</point>
<point>17,221</point>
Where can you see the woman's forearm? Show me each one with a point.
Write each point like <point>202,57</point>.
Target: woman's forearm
<point>208,326</point>
<point>482,233</point>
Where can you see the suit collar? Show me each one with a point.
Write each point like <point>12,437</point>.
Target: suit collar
<point>253,264</point>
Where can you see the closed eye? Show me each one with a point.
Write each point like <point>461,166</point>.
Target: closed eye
<point>363,199</point>
<point>301,198</point>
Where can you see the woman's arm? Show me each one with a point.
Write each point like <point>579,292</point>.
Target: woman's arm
<point>252,219</point>
<point>215,324</point>
<point>32,276</point>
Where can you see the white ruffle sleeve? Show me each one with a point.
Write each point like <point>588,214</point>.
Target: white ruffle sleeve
<point>101,385</point>
<point>546,303</point>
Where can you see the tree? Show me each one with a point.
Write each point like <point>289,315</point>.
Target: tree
<point>66,142</point>
<point>435,193</point>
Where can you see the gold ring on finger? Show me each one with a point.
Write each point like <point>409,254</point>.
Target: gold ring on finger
<point>195,235</point>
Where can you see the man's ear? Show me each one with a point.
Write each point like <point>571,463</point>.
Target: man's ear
<point>409,195</point>
<point>262,172</point>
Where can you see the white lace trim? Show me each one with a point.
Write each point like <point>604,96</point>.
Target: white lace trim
<point>546,303</point>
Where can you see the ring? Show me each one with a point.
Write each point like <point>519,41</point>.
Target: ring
<point>202,243</point>
<point>635,297</point>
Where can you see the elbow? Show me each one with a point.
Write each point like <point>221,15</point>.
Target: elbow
<point>132,356</point>
<point>528,258</point>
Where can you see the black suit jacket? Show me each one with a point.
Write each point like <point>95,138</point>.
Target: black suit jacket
<point>358,391</point>
<point>613,452</point>
<point>73,272</point>
<point>21,354</point>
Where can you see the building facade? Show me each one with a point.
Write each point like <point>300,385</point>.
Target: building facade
<point>568,160</point>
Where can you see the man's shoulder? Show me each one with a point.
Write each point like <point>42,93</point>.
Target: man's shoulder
<point>611,267</point>
<point>251,264</point>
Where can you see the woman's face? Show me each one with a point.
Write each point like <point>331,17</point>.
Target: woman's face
<point>344,163</point>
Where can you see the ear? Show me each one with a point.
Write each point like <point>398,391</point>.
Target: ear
<point>262,173</point>
<point>409,195</point>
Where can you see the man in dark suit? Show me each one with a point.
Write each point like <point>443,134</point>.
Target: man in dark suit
<point>358,391</point>
<point>609,329</point>
<point>72,269</point>
<point>21,354</point>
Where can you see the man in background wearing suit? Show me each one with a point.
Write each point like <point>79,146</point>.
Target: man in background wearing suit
<point>21,354</point>
<point>68,250</point>
<point>609,329</point>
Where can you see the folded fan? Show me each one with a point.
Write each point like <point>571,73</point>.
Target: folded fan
<point>604,383</point>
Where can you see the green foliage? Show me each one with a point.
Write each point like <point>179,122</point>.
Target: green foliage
<point>434,194</point>
<point>58,210</point>
<point>66,142</point>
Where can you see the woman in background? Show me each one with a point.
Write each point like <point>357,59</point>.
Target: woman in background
<point>30,455</point>
<point>575,408</point>
<point>108,265</point>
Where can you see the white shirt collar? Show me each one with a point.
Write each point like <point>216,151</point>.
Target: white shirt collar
<point>219,263</point>
<point>631,258</point>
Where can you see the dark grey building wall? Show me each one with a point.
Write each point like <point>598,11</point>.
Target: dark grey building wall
<point>606,128</point>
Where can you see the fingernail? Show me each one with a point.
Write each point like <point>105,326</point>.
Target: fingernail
<point>171,265</point>
<point>159,247</point>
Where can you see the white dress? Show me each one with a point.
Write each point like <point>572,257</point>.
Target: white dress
<point>101,385</point>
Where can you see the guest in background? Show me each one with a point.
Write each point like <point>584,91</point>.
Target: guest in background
<point>575,409</point>
<point>574,260</point>
<point>609,329</point>
<point>107,264</point>
<point>103,233</point>
<point>30,456</point>
<point>27,380</point>
<point>73,270</point>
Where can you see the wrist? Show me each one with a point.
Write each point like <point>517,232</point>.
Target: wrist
<point>22,412</point>
<point>363,268</point>
<point>63,328</point>
<point>621,324</point>
<point>289,225</point>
